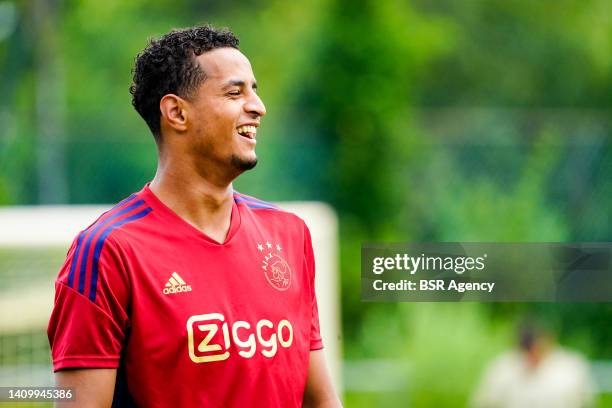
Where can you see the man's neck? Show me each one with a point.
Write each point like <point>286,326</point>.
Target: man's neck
<point>205,205</point>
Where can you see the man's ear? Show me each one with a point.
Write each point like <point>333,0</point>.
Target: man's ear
<point>174,112</point>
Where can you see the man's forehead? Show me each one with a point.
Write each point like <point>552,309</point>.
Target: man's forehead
<point>222,64</point>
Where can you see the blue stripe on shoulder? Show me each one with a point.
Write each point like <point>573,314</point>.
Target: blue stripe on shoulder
<point>100,244</point>
<point>93,233</point>
<point>252,202</point>
<point>75,256</point>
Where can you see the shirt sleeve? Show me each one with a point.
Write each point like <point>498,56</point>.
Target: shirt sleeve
<point>89,321</point>
<point>316,342</point>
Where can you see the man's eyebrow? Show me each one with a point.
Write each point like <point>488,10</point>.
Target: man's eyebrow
<point>238,82</point>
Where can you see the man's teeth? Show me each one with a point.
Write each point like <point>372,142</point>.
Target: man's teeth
<point>243,130</point>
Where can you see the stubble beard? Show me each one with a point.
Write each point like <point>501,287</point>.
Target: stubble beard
<point>243,164</point>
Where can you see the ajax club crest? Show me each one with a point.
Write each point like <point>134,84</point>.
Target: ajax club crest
<point>274,266</point>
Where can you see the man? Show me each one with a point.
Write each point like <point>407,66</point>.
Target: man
<point>538,374</point>
<point>187,293</point>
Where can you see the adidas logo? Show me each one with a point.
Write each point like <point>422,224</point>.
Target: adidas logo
<point>176,284</point>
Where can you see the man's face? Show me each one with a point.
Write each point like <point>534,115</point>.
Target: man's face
<point>227,110</point>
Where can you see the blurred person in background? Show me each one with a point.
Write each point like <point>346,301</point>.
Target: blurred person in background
<point>188,293</point>
<point>538,374</point>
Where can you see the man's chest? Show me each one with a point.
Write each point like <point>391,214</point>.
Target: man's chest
<point>251,298</point>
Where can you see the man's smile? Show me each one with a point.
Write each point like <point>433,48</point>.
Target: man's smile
<point>248,131</point>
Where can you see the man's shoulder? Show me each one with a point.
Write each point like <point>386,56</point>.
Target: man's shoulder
<point>262,207</point>
<point>121,216</point>
<point>97,244</point>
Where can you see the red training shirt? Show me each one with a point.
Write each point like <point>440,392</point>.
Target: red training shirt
<point>188,321</point>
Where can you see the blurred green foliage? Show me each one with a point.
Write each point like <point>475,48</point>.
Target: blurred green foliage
<point>419,121</point>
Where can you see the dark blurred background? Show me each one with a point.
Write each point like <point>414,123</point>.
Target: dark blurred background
<point>417,121</point>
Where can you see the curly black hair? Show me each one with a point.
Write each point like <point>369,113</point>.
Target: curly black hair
<point>169,65</point>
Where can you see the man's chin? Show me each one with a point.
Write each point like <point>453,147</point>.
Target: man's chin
<point>243,163</point>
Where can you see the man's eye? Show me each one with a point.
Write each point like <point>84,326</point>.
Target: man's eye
<point>234,93</point>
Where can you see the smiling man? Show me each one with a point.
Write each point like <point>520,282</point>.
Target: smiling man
<point>188,293</point>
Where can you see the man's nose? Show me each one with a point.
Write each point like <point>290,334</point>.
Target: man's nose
<point>255,105</point>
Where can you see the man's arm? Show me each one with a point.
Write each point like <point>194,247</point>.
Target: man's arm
<point>319,391</point>
<point>93,388</point>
